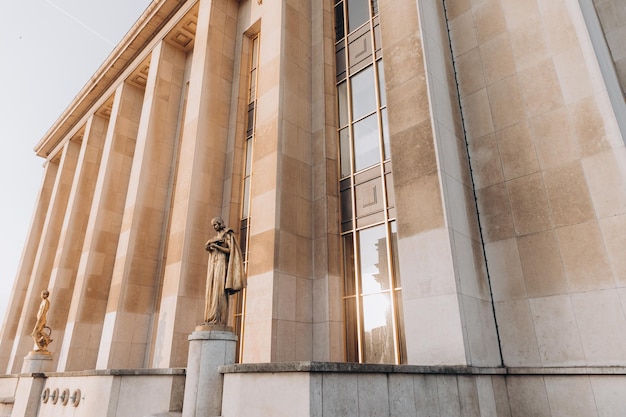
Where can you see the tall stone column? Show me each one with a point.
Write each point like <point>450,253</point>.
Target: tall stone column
<point>138,263</point>
<point>279,316</point>
<point>73,230</point>
<point>328,327</point>
<point>22,280</point>
<point>46,251</point>
<point>199,180</point>
<point>93,280</point>
<point>448,317</point>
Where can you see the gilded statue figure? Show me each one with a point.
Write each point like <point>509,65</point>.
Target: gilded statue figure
<point>225,274</point>
<point>40,336</point>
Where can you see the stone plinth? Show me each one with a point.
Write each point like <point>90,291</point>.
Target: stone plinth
<point>209,348</point>
<point>37,362</point>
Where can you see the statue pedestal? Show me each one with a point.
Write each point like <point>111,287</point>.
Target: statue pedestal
<point>209,348</point>
<point>37,362</point>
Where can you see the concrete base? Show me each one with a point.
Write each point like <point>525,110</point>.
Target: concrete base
<point>37,362</point>
<point>208,350</point>
<point>28,396</point>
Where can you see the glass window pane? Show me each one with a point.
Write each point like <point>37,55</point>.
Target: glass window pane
<point>243,240</point>
<point>255,52</point>
<point>366,143</point>
<point>250,122</point>
<point>373,260</point>
<point>342,97</point>
<point>340,61</point>
<point>352,341</point>
<point>378,340</point>
<point>344,144</point>
<point>358,13</point>
<point>245,210</point>
<point>339,28</point>
<point>346,205</point>
<point>252,92</point>
<point>363,93</point>
<point>348,265</point>
<point>385,123</point>
<point>248,157</point>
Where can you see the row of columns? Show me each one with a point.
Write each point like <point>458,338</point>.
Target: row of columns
<point>122,218</point>
<point>120,222</point>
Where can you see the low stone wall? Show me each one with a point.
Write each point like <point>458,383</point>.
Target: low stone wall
<point>333,389</point>
<point>105,393</point>
<point>8,386</point>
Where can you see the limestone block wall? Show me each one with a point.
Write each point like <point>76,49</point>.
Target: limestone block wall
<point>279,311</point>
<point>352,394</point>
<point>473,288</point>
<point>8,387</point>
<point>325,389</point>
<point>446,297</point>
<point>122,394</point>
<point>327,308</point>
<point>549,167</point>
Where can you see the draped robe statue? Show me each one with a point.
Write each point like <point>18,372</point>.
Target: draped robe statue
<point>225,274</point>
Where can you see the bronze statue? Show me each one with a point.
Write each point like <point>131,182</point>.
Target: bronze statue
<point>225,274</point>
<point>41,337</point>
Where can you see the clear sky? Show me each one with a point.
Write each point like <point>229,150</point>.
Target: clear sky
<point>48,51</point>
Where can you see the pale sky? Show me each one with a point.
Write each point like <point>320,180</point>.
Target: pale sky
<point>48,51</point>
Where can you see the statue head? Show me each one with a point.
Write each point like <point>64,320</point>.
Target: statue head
<point>217,223</point>
<point>45,294</point>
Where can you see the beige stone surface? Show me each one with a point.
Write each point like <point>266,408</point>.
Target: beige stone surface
<point>561,175</point>
<point>120,241</point>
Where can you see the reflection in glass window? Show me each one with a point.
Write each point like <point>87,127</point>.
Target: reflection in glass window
<point>340,59</point>
<point>378,343</point>
<point>339,26</point>
<point>363,93</point>
<point>358,13</point>
<point>366,143</point>
<point>373,260</point>
<point>373,309</point>
<point>342,95</point>
<point>344,143</point>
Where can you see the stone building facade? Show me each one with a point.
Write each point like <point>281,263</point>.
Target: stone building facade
<point>430,196</point>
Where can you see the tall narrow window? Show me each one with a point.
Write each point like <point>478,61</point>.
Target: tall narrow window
<point>244,231</point>
<point>372,289</point>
